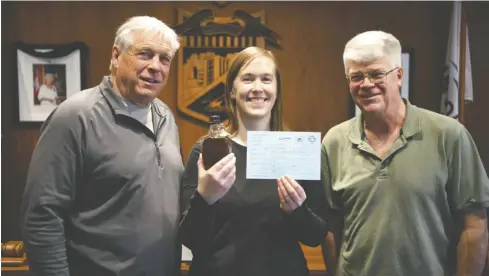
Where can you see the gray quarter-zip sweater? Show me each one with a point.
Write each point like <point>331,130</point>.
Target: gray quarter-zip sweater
<point>102,193</point>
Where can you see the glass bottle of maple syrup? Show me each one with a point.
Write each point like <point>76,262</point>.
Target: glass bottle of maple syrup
<point>216,145</point>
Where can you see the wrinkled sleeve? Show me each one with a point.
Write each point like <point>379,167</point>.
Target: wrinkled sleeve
<point>197,223</point>
<point>332,198</point>
<point>55,167</point>
<point>333,211</point>
<point>468,185</point>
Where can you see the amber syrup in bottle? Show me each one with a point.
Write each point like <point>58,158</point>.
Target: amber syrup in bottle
<point>216,145</point>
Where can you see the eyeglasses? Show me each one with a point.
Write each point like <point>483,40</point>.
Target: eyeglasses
<point>373,77</point>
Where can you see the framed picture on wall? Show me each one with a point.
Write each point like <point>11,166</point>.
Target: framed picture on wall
<point>47,75</point>
<point>406,62</point>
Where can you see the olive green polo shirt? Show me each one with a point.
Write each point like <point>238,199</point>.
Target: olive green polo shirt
<point>399,211</point>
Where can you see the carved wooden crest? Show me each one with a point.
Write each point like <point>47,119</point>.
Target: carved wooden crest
<point>208,45</point>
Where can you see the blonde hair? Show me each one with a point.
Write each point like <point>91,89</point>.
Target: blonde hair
<point>370,46</point>
<point>241,60</point>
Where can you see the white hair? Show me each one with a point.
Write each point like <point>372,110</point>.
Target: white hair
<point>124,39</point>
<point>370,46</point>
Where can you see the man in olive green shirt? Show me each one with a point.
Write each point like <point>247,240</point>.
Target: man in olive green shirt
<point>406,184</point>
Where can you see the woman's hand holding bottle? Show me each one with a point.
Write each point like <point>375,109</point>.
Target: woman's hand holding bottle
<point>215,182</point>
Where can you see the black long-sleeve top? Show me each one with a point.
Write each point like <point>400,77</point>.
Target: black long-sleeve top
<point>246,233</point>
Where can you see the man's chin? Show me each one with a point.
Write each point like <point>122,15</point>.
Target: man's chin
<point>144,98</point>
<point>372,108</point>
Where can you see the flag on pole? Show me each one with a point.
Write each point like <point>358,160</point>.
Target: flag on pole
<point>450,96</point>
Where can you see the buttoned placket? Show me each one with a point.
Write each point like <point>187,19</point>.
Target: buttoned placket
<point>382,165</point>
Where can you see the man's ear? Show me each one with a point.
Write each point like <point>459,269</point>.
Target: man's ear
<point>400,74</point>
<point>115,56</point>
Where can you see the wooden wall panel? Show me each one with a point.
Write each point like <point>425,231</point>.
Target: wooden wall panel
<point>314,33</point>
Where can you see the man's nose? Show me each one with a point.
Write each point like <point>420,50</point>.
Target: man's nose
<point>155,64</point>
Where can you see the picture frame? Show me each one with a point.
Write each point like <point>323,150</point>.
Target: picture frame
<point>48,74</point>
<point>406,87</point>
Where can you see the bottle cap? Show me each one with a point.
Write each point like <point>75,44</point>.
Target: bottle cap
<point>214,119</point>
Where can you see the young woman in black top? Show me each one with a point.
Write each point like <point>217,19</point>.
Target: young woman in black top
<point>248,227</point>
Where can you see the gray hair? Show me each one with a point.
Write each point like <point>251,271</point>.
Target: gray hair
<point>124,39</point>
<point>370,46</point>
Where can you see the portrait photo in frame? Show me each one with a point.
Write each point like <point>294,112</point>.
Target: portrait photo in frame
<point>47,75</point>
<point>406,64</point>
